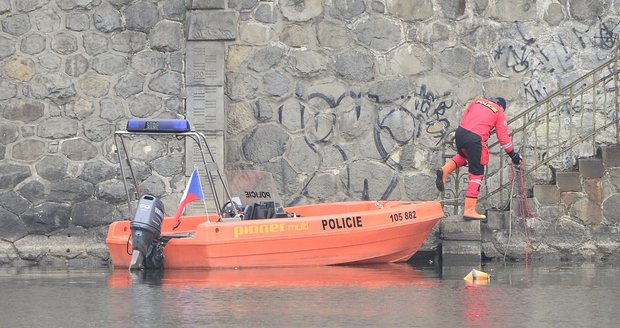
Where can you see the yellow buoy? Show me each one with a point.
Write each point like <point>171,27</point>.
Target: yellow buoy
<point>477,275</point>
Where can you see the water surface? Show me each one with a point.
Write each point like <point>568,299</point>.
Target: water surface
<point>375,296</point>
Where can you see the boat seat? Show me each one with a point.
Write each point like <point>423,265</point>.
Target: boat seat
<point>264,210</point>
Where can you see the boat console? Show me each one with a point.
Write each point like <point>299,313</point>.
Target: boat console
<point>264,210</point>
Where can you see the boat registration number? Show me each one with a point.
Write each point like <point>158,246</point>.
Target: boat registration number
<point>409,215</point>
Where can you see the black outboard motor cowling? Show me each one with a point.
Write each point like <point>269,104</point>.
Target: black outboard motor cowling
<point>145,228</point>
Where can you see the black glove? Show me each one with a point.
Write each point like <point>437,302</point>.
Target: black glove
<point>516,157</point>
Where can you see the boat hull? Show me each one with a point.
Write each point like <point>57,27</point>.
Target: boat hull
<point>361,232</point>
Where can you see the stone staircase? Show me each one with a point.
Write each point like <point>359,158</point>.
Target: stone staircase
<point>575,200</point>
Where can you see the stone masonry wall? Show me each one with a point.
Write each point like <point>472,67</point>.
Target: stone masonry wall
<point>339,99</point>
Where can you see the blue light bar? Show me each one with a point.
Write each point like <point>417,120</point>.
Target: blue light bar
<point>171,125</point>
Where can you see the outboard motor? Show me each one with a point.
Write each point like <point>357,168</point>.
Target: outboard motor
<point>145,229</point>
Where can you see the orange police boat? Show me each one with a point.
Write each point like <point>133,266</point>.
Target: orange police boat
<point>252,229</point>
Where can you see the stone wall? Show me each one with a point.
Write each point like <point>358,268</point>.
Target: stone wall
<point>340,99</point>
<point>73,71</point>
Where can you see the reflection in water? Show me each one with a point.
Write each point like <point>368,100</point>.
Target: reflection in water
<point>274,297</point>
<point>375,276</point>
<point>373,296</point>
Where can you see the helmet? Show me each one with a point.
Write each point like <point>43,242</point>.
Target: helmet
<point>500,101</point>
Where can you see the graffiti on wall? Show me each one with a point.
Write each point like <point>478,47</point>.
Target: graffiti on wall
<point>428,112</point>
<point>556,55</point>
<point>336,120</point>
<point>423,113</point>
<point>606,37</point>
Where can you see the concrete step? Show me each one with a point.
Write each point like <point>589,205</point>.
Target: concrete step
<point>455,228</point>
<point>591,168</point>
<point>568,181</point>
<point>611,156</point>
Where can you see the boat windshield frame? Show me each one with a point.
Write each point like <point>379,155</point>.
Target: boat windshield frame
<point>200,140</point>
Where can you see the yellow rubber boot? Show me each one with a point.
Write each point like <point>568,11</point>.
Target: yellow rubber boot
<point>470,210</point>
<point>442,174</point>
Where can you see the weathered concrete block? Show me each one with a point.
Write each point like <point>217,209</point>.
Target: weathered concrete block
<point>611,156</point>
<point>591,167</point>
<point>547,194</point>
<point>568,181</point>
<point>460,251</point>
<point>455,228</point>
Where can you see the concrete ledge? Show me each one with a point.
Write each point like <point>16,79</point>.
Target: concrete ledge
<point>568,181</point>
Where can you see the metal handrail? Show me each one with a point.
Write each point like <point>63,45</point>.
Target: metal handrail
<point>576,113</point>
<point>201,141</point>
<point>592,87</point>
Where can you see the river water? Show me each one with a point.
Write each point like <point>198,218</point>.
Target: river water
<point>402,295</point>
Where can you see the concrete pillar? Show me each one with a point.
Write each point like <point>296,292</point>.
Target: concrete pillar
<point>460,243</point>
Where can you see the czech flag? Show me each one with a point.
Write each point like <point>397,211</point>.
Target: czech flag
<point>193,191</point>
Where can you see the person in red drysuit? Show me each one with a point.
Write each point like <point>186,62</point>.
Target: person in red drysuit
<point>481,116</point>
